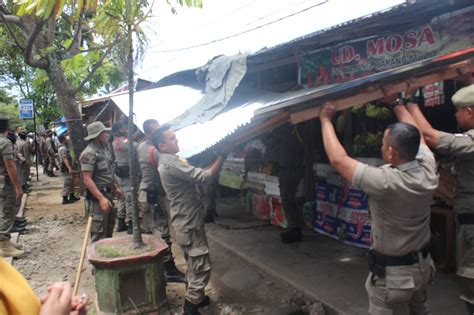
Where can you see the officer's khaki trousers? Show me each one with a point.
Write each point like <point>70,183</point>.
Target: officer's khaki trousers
<point>465,261</point>
<point>402,291</point>
<point>67,184</point>
<point>125,204</point>
<point>45,163</point>
<point>193,243</point>
<point>51,162</point>
<point>7,209</point>
<point>24,173</point>
<point>102,222</point>
<point>155,218</point>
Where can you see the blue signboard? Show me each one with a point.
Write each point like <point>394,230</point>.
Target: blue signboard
<point>26,109</point>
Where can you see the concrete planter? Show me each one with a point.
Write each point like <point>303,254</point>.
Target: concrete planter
<point>132,284</point>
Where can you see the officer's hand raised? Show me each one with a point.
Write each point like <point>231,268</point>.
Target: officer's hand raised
<point>105,204</point>
<point>328,111</point>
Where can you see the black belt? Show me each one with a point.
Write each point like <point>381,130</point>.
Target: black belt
<point>465,218</point>
<point>102,189</point>
<point>378,261</point>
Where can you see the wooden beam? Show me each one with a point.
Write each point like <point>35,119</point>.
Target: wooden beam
<point>259,129</point>
<point>376,92</point>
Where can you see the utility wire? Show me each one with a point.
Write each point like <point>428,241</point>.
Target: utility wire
<point>240,33</point>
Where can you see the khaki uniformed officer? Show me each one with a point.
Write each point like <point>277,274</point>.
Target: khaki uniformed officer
<point>99,181</point>
<point>23,152</point>
<point>65,166</point>
<point>400,194</point>
<point>153,200</point>
<point>120,146</point>
<point>180,181</point>
<point>9,188</point>
<point>51,151</point>
<point>461,148</point>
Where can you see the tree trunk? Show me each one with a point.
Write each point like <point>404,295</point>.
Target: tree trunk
<point>137,236</point>
<point>67,101</point>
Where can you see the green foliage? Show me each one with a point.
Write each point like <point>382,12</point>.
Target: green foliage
<point>190,3</point>
<point>368,144</point>
<point>373,111</point>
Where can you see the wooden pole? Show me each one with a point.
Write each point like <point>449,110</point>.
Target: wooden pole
<point>83,254</point>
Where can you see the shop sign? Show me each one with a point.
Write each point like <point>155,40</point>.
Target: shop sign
<point>365,56</point>
<point>26,109</point>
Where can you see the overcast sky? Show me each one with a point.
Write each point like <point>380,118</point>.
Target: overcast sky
<point>233,26</point>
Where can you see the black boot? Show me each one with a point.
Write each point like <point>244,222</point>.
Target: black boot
<point>121,226</point>
<point>130,227</point>
<point>172,274</point>
<point>51,174</point>
<point>205,301</point>
<point>16,229</point>
<point>291,236</point>
<point>66,200</point>
<point>73,198</point>
<point>20,225</point>
<point>25,189</point>
<point>210,216</point>
<point>20,220</point>
<point>190,308</point>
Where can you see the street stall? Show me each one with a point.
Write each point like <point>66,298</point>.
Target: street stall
<point>246,99</point>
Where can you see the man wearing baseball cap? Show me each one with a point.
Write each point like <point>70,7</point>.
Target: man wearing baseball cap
<point>460,147</point>
<point>100,181</point>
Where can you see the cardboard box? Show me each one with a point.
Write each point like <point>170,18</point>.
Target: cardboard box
<point>342,214</point>
<point>277,216</point>
<point>261,206</point>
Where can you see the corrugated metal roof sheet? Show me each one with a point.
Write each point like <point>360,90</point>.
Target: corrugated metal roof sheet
<point>162,104</point>
<point>197,138</point>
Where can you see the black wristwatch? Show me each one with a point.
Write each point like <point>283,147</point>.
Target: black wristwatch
<point>413,99</point>
<point>397,102</point>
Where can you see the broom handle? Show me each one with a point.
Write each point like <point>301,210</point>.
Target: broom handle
<point>83,254</point>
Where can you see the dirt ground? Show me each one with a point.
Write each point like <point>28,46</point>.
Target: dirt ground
<point>53,247</point>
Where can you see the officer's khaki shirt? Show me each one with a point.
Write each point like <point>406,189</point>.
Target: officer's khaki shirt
<point>96,159</point>
<point>180,181</point>
<point>461,147</point>
<point>120,147</point>
<point>6,153</point>
<point>399,202</point>
<point>50,147</point>
<point>63,154</point>
<point>23,150</point>
<point>148,158</point>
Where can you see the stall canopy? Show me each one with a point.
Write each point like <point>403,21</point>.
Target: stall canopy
<point>302,105</point>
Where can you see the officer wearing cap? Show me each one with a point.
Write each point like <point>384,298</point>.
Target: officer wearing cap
<point>400,194</point>
<point>9,188</point>
<point>460,147</point>
<point>100,181</point>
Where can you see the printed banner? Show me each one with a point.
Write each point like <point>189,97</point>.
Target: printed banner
<point>365,56</point>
